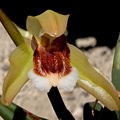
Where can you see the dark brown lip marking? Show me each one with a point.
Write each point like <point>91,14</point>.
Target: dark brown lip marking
<point>56,59</point>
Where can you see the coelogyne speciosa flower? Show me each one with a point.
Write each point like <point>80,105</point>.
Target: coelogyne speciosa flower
<point>48,60</point>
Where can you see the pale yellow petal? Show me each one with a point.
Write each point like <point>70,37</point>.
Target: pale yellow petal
<point>94,81</point>
<point>49,22</point>
<point>20,64</point>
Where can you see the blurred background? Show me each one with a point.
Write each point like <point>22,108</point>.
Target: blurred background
<point>91,24</point>
<point>96,19</point>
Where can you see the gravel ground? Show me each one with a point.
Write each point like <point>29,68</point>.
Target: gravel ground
<point>38,102</point>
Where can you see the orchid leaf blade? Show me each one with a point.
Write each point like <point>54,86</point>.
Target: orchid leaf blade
<point>11,29</point>
<point>21,58</point>
<point>116,78</point>
<point>93,81</point>
<point>87,111</point>
<point>116,66</point>
<point>110,115</point>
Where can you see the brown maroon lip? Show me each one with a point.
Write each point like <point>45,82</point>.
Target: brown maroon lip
<point>56,60</point>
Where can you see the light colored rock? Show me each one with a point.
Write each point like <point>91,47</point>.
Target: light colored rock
<point>6,47</point>
<point>86,42</point>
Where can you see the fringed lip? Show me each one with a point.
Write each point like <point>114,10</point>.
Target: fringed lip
<point>66,83</point>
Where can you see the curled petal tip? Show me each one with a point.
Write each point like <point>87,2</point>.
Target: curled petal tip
<point>49,22</point>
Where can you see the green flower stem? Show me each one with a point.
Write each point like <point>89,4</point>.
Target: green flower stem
<point>11,29</point>
<point>58,105</point>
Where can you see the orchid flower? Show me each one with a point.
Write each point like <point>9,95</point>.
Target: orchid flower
<point>48,60</point>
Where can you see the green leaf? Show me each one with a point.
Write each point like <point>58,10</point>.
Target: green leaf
<point>15,112</point>
<point>106,114</point>
<point>116,66</point>
<point>118,114</point>
<point>116,78</point>
<point>6,113</point>
<point>87,111</point>
<point>11,29</point>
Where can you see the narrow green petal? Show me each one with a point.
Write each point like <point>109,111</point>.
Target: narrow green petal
<point>20,64</point>
<point>93,81</point>
<point>49,22</point>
